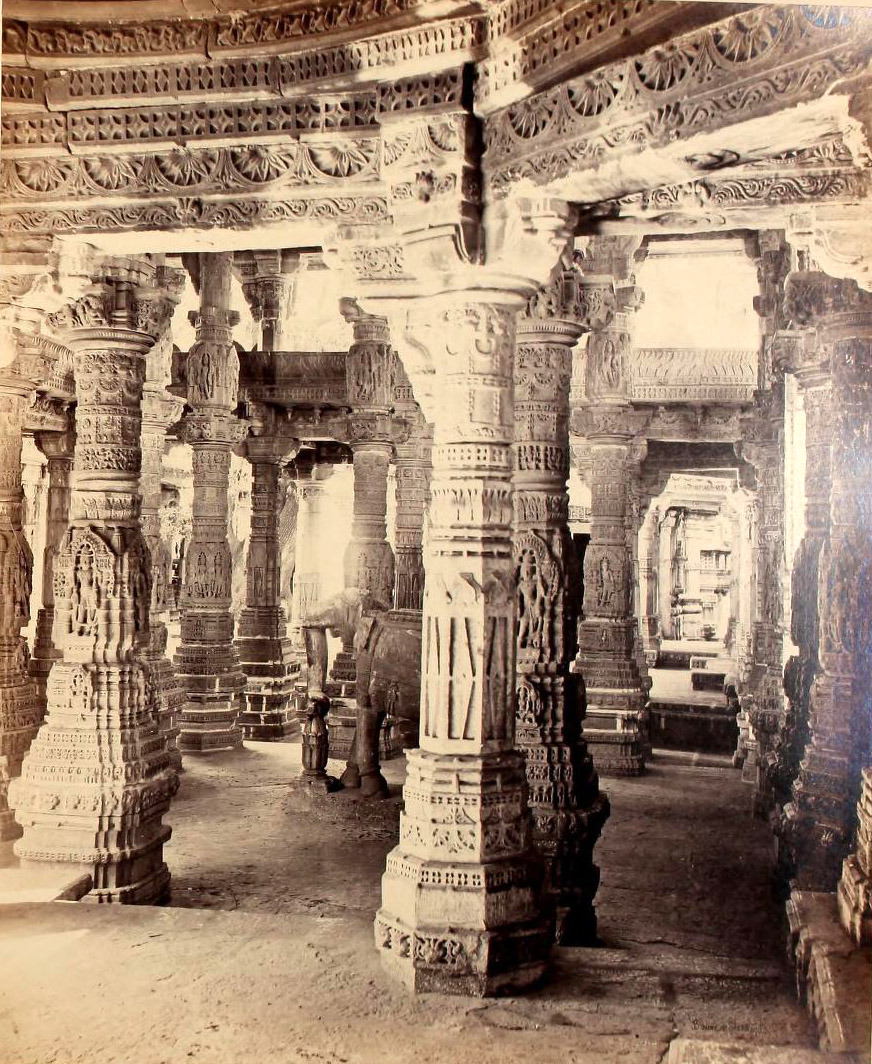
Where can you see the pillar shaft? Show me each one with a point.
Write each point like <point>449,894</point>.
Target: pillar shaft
<point>206,660</point>
<point>97,780</point>
<point>460,910</point>
<point>58,449</point>
<point>834,569</point>
<point>159,410</point>
<point>769,737</point>
<point>568,810</point>
<point>369,560</point>
<point>20,711</point>
<point>608,660</point>
<point>413,468</point>
<point>265,651</point>
<point>308,563</point>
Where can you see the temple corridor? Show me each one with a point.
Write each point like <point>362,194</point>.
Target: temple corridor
<point>692,949</point>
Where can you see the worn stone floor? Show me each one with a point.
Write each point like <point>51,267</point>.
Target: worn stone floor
<point>266,952</point>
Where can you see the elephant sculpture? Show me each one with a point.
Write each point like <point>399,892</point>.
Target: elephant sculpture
<point>387,646</point>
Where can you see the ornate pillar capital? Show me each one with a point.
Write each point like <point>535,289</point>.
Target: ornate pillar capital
<point>269,279</point>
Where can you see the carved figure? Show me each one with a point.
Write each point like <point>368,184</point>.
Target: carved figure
<point>532,603</point>
<point>85,598</point>
<point>388,648</point>
<point>606,586</point>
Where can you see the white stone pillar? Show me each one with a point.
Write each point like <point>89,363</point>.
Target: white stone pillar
<point>460,907</point>
<point>207,660</point>
<point>97,780</point>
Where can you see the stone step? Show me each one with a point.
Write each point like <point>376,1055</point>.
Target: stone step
<point>693,1051</point>
<point>19,886</point>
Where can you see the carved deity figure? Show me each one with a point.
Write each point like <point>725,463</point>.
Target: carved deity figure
<point>85,598</point>
<point>532,603</point>
<point>611,363</point>
<point>606,585</point>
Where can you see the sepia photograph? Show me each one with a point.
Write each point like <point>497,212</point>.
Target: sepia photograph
<point>435,532</point>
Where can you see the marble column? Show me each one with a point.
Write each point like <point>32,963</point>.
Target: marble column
<point>159,410</point>
<point>412,466</point>
<point>265,652</point>
<point>58,450</point>
<point>20,709</point>
<point>369,560</point>
<point>833,362</point>
<point>608,660</point>
<point>460,895</point>
<point>206,660</point>
<point>97,780</point>
<point>649,585</point>
<point>310,477</point>
<point>568,809</point>
<point>371,379</point>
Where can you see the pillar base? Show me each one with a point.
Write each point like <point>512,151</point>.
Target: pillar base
<point>151,888</point>
<point>616,752</point>
<point>854,898</point>
<point>566,840</point>
<point>832,973</point>
<point>270,668</point>
<point>209,728</point>
<point>461,894</point>
<point>8,828</point>
<point>471,963</point>
<point>314,784</point>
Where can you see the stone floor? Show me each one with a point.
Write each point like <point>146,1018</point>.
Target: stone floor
<point>266,953</point>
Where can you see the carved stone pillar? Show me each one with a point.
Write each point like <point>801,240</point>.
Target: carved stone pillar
<point>207,661</point>
<point>159,410</point>
<point>58,450</point>
<point>649,585</point>
<point>97,779</point>
<point>309,477</point>
<point>413,467</point>
<point>567,806</point>
<point>460,907</point>
<point>369,560</point>
<point>371,375</point>
<point>833,579</point>
<point>763,447</point>
<point>20,710</point>
<point>265,652</point>
<point>608,661</point>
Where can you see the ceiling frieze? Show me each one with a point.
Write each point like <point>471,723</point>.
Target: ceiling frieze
<point>746,67</point>
<point>532,44</point>
<point>734,199</point>
<point>283,28</point>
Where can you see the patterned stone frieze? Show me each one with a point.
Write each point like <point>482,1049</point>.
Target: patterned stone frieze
<point>728,72</point>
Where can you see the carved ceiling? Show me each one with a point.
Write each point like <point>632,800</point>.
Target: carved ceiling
<point>368,117</point>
